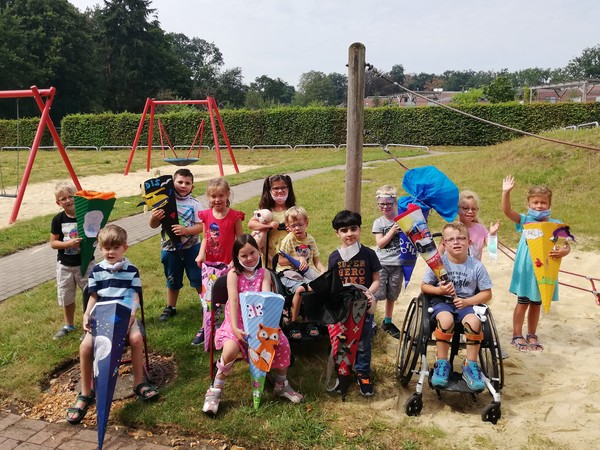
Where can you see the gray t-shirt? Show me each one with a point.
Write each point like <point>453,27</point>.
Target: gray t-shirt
<point>390,254</point>
<point>468,278</point>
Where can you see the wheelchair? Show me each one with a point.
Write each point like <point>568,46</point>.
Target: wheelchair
<point>411,358</point>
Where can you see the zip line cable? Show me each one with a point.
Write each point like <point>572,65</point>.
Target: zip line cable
<point>380,74</point>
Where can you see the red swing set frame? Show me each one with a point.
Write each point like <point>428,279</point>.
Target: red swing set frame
<point>45,121</point>
<point>213,113</point>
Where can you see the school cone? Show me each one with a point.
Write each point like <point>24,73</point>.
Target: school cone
<point>92,210</point>
<point>539,237</point>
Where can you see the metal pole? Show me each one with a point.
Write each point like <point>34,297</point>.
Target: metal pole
<point>355,125</point>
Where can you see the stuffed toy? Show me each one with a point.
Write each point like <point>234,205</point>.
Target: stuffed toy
<point>263,216</point>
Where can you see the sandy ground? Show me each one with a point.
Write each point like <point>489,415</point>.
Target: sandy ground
<point>39,198</point>
<point>550,399</point>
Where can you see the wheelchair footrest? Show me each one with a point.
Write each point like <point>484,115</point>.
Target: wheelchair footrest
<point>457,384</point>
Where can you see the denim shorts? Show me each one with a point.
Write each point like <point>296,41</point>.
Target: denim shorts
<point>175,266</point>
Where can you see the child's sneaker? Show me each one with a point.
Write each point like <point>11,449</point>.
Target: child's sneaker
<point>169,311</point>
<point>199,339</point>
<point>365,384</point>
<point>472,375</point>
<point>391,329</point>
<point>283,389</point>
<point>211,401</point>
<point>63,332</point>
<point>441,372</point>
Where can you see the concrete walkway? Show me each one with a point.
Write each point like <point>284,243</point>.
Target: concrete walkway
<point>28,268</point>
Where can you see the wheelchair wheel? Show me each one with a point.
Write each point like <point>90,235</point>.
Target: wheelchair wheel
<point>410,345</point>
<point>490,354</point>
<point>414,405</point>
<point>492,413</point>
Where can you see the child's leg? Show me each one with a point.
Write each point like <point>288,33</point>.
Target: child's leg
<point>533,318</point>
<point>473,337</point>
<point>518,317</point>
<point>443,333</point>
<point>297,302</point>
<point>69,314</point>
<point>86,359</point>
<point>172,296</point>
<point>281,362</point>
<point>224,366</point>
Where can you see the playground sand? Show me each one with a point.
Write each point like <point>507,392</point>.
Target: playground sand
<point>39,197</point>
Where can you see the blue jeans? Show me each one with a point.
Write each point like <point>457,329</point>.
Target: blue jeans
<point>362,365</point>
<point>174,267</point>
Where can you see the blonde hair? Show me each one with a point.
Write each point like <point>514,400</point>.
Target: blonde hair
<point>541,191</point>
<point>64,187</point>
<point>472,196</point>
<point>386,191</point>
<point>112,236</point>
<point>458,226</point>
<point>217,184</point>
<point>295,213</point>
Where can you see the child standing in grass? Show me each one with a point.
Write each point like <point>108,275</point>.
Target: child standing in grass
<point>387,235</point>
<point>247,276</point>
<point>221,226</point>
<point>65,238</point>
<point>114,278</point>
<point>277,196</point>
<point>357,264</point>
<point>189,227</point>
<point>523,283</point>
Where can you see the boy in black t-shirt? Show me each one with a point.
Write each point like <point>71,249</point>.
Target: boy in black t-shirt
<point>65,238</point>
<point>357,264</point>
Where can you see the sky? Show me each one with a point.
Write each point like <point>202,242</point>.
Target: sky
<point>286,38</point>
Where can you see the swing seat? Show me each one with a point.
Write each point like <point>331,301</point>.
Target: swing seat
<point>181,161</point>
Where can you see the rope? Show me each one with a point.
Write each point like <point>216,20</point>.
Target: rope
<point>480,119</point>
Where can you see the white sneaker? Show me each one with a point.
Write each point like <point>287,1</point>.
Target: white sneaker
<point>211,401</point>
<point>283,389</point>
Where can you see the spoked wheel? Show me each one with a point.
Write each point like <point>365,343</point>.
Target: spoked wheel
<point>410,342</point>
<point>491,413</point>
<point>414,405</point>
<point>490,354</point>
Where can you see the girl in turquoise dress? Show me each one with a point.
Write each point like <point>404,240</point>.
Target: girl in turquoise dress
<point>523,283</point>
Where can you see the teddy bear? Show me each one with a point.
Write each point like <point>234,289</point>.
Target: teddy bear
<point>264,216</point>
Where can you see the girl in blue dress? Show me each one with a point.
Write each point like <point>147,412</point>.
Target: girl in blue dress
<point>523,283</point>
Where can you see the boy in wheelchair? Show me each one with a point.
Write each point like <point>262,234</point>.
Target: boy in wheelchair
<point>452,301</point>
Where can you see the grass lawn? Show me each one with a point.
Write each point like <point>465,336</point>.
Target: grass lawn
<point>28,356</point>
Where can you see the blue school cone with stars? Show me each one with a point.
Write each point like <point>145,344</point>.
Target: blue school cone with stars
<point>261,313</point>
<point>110,321</point>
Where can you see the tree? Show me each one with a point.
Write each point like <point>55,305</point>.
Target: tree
<point>585,66</point>
<point>468,97</point>
<point>315,88</point>
<point>273,91</point>
<point>397,74</point>
<point>500,90</point>
<point>231,91</point>
<point>533,76</point>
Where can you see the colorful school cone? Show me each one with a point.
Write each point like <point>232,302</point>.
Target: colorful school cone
<point>539,237</point>
<point>412,222</point>
<point>210,273</point>
<point>160,193</point>
<point>261,313</point>
<point>91,211</point>
<point>109,321</point>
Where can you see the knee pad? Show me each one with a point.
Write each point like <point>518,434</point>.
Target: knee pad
<point>472,337</point>
<point>443,335</point>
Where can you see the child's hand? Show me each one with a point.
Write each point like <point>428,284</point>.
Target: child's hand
<point>240,334</point>
<point>179,230</point>
<point>158,214</point>
<point>303,263</point>
<point>74,243</point>
<point>86,323</point>
<point>508,183</point>
<point>459,302</point>
<point>273,225</point>
<point>560,252</point>
<point>200,260</point>
<point>447,289</point>
<point>494,227</point>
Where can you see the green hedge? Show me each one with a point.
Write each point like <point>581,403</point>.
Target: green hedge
<point>320,125</point>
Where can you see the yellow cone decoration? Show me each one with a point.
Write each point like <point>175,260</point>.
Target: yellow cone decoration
<point>539,237</point>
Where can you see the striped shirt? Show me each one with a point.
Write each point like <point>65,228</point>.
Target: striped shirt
<point>113,285</point>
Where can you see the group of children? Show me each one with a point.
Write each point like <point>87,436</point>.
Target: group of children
<point>379,271</point>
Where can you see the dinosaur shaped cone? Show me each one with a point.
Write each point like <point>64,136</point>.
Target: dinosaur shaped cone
<point>540,238</point>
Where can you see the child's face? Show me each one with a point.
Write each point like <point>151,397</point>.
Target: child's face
<point>387,206</point>
<point>248,255</point>
<point>298,227</point>
<point>467,211</point>
<point>456,242</point>
<point>183,185</point>
<point>279,191</point>
<point>217,199</point>
<point>348,235</point>
<point>66,201</point>
<point>114,253</point>
<point>538,202</point>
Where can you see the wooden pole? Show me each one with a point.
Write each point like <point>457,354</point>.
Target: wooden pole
<point>355,125</point>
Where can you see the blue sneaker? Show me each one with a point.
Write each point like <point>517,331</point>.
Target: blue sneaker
<point>441,372</point>
<point>472,375</point>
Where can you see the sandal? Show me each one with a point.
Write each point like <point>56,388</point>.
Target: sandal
<point>313,331</point>
<point>149,393</point>
<point>80,413</point>
<point>520,343</point>
<point>534,346</point>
